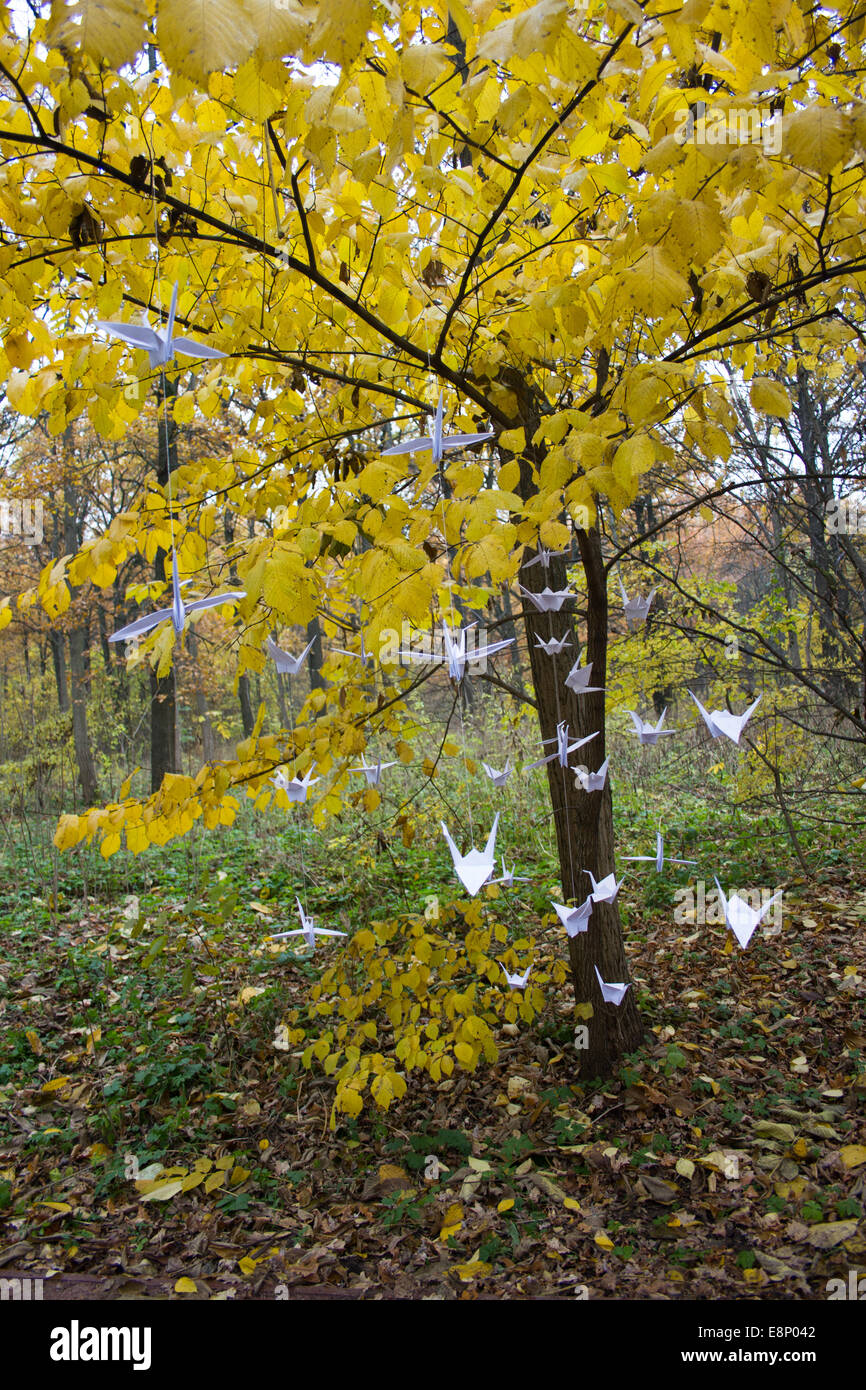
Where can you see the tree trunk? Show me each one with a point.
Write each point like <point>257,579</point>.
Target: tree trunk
<point>81,739</point>
<point>315,660</point>
<point>58,658</point>
<point>162,697</point>
<point>208,742</point>
<point>583,821</point>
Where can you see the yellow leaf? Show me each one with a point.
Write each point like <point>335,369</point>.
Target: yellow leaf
<point>770,397</point>
<point>475,1269</point>
<point>202,38</point>
<point>819,138</point>
<point>603,1241</point>
<point>110,31</point>
<point>451,1221</point>
<point>56,1085</point>
<point>571,1204</point>
<point>247,1265</point>
<point>852,1155</point>
<point>185,1285</point>
<point>255,97</point>
<point>505,1205</point>
<point>215,1180</point>
<point>62,1207</point>
<point>35,1045</point>
<point>160,1191</point>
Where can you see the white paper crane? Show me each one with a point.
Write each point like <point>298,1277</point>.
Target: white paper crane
<point>286,664</point>
<point>363,655</point>
<point>578,679</point>
<point>438,441</point>
<point>650,733</point>
<point>296,788</point>
<point>543,558</point>
<point>509,878</point>
<point>659,857</point>
<point>308,929</point>
<point>564,749</point>
<point>372,771</point>
<point>178,612</point>
<point>606,889</point>
<point>516,981</point>
<point>547,600</point>
<point>740,917</point>
<point>554,645</point>
<point>593,781</point>
<point>473,869</point>
<point>574,919</point>
<point>611,993</point>
<point>455,654</point>
<point>720,722</point>
<point>498,778</point>
<point>159,346</point>
<point>636,609</point>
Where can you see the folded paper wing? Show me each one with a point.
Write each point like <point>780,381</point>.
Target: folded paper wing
<point>594,781</point>
<point>606,889</point>
<point>740,917</point>
<point>611,993</point>
<point>286,664</point>
<point>473,869</point>
<point>574,919</point>
<point>578,679</point>
<point>516,981</point>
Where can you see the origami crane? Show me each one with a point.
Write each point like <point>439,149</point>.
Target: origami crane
<point>650,733</point>
<point>594,781</point>
<point>554,645</point>
<point>437,441</point>
<point>543,558</point>
<point>455,652</point>
<point>362,655</point>
<point>611,993</point>
<point>720,722</point>
<point>659,857</point>
<point>636,609</point>
<point>159,346</point>
<point>508,877</point>
<point>372,771</point>
<point>308,930</point>
<point>548,600</point>
<point>578,679</point>
<point>296,788</point>
<point>516,981</point>
<point>473,869</point>
<point>286,664</point>
<point>498,778</point>
<point>740,917</point>
<point>574,919</point>
<point>564,749</point>
<point>178,612</point>
<point>606,889</point>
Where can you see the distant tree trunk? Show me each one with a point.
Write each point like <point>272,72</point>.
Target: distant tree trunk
<point>57,643</point>
<point>163,714</point>
<point>583,821</point>
<point>208,742</point>
<point>246,705</point>
<point>78,675</point>
<point>80,736</point>
<point>316,659</point>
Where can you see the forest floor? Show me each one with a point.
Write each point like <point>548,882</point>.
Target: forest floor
<point>725,1160</point>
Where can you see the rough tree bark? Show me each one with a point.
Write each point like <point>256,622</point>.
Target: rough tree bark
<point>583,821</point>
<point>163,714</point>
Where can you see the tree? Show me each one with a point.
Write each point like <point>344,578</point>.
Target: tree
<point>635,211</point>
